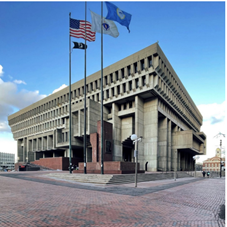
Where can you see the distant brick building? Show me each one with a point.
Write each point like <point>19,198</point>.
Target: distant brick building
<point>213,164</point>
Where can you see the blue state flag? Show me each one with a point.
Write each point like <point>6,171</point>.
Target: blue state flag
<point>118,15</point>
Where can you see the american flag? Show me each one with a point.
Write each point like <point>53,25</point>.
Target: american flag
<point>77,29</point>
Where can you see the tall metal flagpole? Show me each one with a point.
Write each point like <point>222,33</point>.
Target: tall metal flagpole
<point>70,163</point>
<point>102,169</point>
<point>85,123</point>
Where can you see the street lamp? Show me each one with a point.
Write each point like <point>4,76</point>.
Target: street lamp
<point>135,139</point>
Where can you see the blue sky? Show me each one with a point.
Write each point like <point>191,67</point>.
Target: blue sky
<point>34,47</point>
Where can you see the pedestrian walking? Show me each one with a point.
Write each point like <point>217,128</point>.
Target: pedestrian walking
<point>208,174</point>
<point>204,173</point>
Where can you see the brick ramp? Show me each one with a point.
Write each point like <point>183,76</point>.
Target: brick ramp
<point>116,179</point>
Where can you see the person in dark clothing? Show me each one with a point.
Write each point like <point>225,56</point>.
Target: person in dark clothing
<point>208,174</point>
<point>204,173</point>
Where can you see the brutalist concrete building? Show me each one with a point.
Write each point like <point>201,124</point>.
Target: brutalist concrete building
<point>142,95</point>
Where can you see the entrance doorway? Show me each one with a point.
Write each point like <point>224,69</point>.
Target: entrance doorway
<point>127,154</point>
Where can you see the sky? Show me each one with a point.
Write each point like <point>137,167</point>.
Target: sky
<point>34,53</point>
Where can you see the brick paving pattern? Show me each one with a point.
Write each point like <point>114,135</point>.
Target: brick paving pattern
<point>32,199</point>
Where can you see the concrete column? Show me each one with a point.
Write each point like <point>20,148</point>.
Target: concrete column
<point>139,129</point>
<point>162,143</point>
<point>115,91</point>
<point>44,156</point>
<point>150,139</point>
<point>116,121</point>
<point>53,154</point>
<point>178,161</point>
<point>169,145</point>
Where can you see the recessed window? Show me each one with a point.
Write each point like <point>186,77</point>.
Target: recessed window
<point>124,88</point>
<point>116,74</point>
<point>137,82</point>
<point>135,67</point>
<point>130,85</point>
<point>122,73</point>
<point>129,70</point>
<point>149,61</point>
<point>142,64</point>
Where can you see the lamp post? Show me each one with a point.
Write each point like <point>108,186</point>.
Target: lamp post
<point>195,158</point>
<point>135,139</point>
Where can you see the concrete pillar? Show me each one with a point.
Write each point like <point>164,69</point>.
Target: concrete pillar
<point>162,143</point>
<point>116,121</point>
<point>169,145</point>
<point>44,156</point>
<point>139,129</point>
<point>150,139</point>
<point>53,154</point>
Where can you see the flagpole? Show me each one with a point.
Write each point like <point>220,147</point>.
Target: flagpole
<point>85,122</point>
<point>102,169</point>
<point>70,163</point>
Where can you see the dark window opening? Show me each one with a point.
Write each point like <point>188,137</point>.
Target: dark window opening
<point>130,85</point>
<point>149,61</point>
<point>135,67</point>
<point>116,74</point>
<point>124,88</point>
<point>142,64</point>
<point>129,70</point>
<point>137,83</point>
<point>122,73</point>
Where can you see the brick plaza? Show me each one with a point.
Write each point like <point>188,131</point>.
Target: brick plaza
<point>33,199</point>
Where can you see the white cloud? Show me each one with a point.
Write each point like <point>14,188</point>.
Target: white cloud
<point>1,70</point>
<point>60,88</point>
<point>214,121</point>
<point>11,98</point>
<point>19,82</point>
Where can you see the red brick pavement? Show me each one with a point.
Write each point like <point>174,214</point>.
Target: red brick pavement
<point>30,203</point>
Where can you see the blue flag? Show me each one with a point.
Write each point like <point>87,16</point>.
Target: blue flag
<point>114,13</point>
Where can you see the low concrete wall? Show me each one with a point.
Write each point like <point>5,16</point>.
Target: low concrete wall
<point>61,163</point>
<point>110,167</point>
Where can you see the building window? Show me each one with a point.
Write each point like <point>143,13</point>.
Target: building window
<point>144,80</point>
<point>135,67</point>
<point>130,104</point>
<point>116,75</point>
<point>149,61</point>
<point>122,73</point>
<point>125,106</point>
<point>111,78</point>
<point>118,90</point>
<point>112,91</point>
<point>129,70</point>
<point>106,81</point>
<point>124,88</point>
<point>107,93</point>
<point>142,64</point>
<point>137,82</point>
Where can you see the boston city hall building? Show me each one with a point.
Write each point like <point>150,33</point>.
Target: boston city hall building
<point>142,95</point>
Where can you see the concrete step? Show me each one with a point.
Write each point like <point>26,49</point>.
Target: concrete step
<point>117,179</point>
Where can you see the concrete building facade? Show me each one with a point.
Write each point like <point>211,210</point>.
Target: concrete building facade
<point>142,95</point>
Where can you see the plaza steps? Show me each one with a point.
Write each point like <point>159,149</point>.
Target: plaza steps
<point>34,167</point>
<point>117,178</point>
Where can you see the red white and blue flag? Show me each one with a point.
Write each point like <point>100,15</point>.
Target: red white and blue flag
<point>77,30</point>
